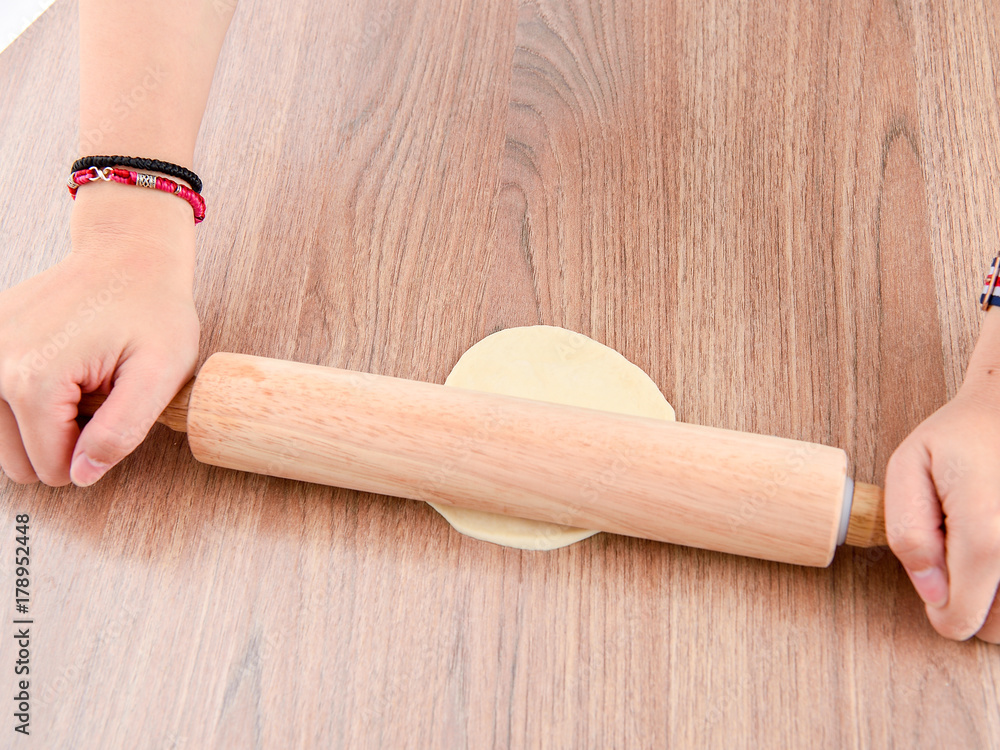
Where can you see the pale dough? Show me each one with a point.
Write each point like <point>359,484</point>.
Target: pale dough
<point>548,364</point>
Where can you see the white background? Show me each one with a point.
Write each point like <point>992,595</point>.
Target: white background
<point>16,16</point>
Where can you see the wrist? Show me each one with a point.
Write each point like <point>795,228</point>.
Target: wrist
<point>987,350</point>
<point>983,373</point>
<point>138,227</point>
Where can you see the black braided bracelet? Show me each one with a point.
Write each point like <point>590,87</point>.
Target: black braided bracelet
<point>152,165</point>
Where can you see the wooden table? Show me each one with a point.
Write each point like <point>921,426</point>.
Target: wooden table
<point>781,211</point>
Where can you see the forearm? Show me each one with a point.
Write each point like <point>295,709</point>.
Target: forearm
<point>984,365</point>
<point>146,67</point>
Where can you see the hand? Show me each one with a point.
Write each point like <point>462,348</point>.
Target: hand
<point>116,315</point>
<point>942,501</point>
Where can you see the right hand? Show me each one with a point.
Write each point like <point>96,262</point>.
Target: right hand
<point>942,504</point>
<point>115,316</point>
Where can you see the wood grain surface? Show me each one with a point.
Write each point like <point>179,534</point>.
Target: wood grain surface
<point>781,211</point>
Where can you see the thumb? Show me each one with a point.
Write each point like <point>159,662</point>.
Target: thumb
<point>913,521</point>
<point>143,386</point>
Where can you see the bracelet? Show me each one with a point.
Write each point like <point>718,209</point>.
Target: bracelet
<point>140,179</point>
<point>150,165</point>
<point>990,295</point>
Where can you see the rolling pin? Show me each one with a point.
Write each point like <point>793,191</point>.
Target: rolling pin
<point>746,494</point>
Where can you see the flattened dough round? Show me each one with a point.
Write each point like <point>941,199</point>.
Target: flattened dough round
<point>552,364</point>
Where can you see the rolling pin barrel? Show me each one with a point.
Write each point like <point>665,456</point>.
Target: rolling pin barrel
<point>735,492</point>
<point>746,494</point>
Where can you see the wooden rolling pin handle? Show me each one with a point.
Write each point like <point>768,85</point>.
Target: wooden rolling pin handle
<point>866,527</point>
<point>173,416</point>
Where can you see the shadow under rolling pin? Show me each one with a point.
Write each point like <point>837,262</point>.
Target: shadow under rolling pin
<point>754,495</point>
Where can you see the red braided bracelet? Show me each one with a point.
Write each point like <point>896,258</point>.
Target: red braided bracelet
<point>141,179</point>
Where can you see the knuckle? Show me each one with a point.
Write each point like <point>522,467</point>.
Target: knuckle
<point>21,385</point>
<point>903,457</point>
<point>907,542</point>
<point>28,388</point>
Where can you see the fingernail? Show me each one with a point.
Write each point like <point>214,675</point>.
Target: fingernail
<point>931,584</point>
<point>84,470</point>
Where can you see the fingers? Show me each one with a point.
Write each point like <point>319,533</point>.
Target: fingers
<point>973,531</point>
<point>913,521</point>
<point>13,458</point>
<point>956,571</point>
<point>45,413</point>
<point>144,385</point>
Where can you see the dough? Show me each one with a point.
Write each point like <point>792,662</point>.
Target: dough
<point>556,365</point>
